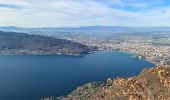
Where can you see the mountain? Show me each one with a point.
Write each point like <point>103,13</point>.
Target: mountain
<point>87,29</point>
<point>21,43</point>
<point>151,84</point>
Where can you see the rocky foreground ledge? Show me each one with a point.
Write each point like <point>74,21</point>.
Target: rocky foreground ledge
<point>151,84</point>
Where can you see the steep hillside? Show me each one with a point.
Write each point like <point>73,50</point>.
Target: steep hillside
<point>151,84</point>
<point>20,43</point>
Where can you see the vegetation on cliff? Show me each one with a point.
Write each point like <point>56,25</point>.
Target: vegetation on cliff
<point>151,84</point>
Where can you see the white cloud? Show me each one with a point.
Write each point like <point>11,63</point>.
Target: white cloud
<point>56,13</point>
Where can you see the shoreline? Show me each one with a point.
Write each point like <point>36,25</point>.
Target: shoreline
<point>135,55</point>
<point>145,79</point>
<point>130,53</point>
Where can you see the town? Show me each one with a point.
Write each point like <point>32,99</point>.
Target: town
<point>154,48</point>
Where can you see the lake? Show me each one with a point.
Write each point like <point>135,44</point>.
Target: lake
<point>30,77</point>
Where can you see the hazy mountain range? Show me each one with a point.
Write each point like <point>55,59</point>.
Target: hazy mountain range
<point>87,29</point>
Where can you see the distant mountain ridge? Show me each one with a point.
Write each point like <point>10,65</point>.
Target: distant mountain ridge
<point>86,29</point>
<point>21,43</point>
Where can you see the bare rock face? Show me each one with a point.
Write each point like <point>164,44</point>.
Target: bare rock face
<point>151,84</point>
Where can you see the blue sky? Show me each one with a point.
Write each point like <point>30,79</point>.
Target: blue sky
<point>73,13</point>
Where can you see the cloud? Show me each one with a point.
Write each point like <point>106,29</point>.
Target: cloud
<point>56,13</point>
<point>8,6</point>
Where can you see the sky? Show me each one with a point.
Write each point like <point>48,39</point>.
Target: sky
<point>75,13</point>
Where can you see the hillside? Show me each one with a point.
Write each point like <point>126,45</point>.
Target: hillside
<point>21,43</point>
<point>151,84</point>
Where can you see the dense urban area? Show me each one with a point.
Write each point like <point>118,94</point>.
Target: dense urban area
<point>154,48</point>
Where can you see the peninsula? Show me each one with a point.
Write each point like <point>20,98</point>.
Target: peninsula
<point>20,44</point>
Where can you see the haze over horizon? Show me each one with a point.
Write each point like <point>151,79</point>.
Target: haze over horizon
<point>75,13</point>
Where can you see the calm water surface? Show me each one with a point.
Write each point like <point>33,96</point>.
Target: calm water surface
<point>30,77</point>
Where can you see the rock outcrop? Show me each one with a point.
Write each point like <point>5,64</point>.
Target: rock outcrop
<point>151,84</point>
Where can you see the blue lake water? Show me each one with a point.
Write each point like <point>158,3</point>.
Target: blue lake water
<point>31,77</point>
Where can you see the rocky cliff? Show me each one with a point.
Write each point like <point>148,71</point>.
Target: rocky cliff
<point>151,84</point>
